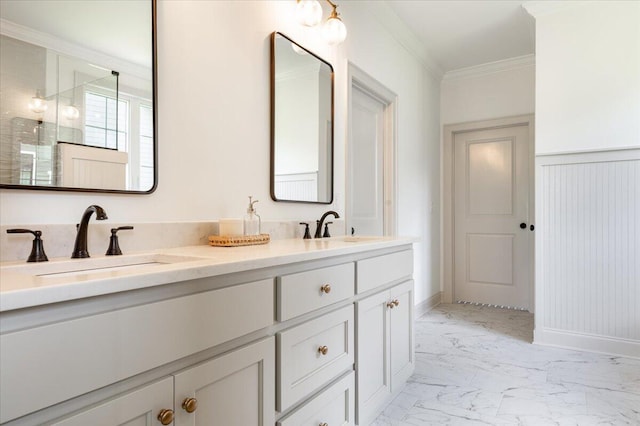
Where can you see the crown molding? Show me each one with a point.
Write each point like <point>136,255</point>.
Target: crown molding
<point>491,67</point>
<point>541,8</point>
<point>388,18</point>
<point>29,35</point>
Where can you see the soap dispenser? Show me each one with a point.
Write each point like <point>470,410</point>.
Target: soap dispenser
<point>251,219</point>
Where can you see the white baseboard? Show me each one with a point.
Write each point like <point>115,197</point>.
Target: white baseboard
<point>587,342</point>
<point>426,305</point>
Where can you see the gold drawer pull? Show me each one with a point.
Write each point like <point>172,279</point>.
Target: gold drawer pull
<point>323,350</point>
<point>165,416</point>
<point>396,302</point>
<point>324,424</point>
<point>390,305</point>
<point>190,405</point>
<point>326,288</point>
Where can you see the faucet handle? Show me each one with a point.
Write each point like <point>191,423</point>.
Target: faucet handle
<point>37,249</point>
<point>114,247</point>
<point>307,234</point>
<point>326,230</point>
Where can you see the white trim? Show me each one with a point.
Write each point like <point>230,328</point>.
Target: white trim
<point>404,36</point>
<point>426,305</point>
<point>518,62</point>
<point>363,81</point>
<point>546,7</point>
<point>587,342</point>
<point>587,151</point>
<point>447,196</point>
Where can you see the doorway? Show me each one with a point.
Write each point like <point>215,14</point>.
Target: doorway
<point>488,212</point>
<point>371,155</point>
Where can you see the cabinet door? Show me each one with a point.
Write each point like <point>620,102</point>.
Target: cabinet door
<point>401,333</point>
<point>236,389</point>
<point>136,408</point>
<point>333,406</point>
<point>373,354</point>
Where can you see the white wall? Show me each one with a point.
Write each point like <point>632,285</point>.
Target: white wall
<point>587,203</point>
<point>489,91</point>
<point>588,77</point>
<point>213,130</point>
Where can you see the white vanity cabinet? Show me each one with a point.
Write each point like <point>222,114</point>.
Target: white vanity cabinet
<point>384,338</point>
<point>311,341</point>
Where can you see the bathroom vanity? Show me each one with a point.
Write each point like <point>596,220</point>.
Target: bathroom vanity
<point>294,332</point>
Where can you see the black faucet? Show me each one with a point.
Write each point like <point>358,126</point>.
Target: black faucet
<point>319,223</point>
<point>80,247</point>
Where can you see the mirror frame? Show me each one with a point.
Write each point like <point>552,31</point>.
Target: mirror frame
<point>154,75</point>
<point>273,121</point>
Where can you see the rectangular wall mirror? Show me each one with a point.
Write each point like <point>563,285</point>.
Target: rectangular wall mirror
<point>77,111</point>
<point>301,124</point>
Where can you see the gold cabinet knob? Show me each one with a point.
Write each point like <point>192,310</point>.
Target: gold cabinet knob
<point>323,350</point>
<point>324,424</point>
<point>396,302</point>
<point>190,405</point>
<point>326,288</point>
<point>390,305</point>
<point>165,416</point>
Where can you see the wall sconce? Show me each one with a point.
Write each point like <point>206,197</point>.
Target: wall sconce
<point>38,104</point>
<point>309,13</point>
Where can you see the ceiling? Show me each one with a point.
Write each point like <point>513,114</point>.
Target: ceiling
<point>460,34</point>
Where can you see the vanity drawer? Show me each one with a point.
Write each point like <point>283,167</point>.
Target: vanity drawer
<point>380,270</point>
<point>312,354</point>
<point>45,365</point>
<point>307,291</point>
<point>334,406</point>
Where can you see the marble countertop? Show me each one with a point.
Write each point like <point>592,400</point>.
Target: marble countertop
<point>25,285</point>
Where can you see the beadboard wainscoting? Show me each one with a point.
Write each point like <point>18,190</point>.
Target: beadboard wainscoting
<point>588,251</point>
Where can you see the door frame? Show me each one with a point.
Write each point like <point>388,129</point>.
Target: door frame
<point>448,206</point>
<point>372,87</point>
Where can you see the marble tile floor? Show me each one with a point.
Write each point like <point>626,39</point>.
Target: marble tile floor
<point>476,365</point>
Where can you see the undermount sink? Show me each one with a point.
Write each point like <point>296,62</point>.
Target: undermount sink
<point>71,267</point>
<point>359,238</point>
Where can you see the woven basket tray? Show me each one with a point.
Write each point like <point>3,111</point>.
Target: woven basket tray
<point>237,241</point>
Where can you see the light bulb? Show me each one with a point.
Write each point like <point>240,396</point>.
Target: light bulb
<point>309,12</point>
<point>71,112</point>
<point>334,30</point>
<point>38,104</point>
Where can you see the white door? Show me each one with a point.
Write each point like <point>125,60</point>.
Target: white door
<point>491,223</point>
<point>365,197</point>
<point>236,389</point>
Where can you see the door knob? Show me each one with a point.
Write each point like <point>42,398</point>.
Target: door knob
<point>523,225</point>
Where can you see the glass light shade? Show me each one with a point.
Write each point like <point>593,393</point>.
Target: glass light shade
<point>71,112</point>
<point>334,31</point>
<point>309,12</point>
<point>38,104</point>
